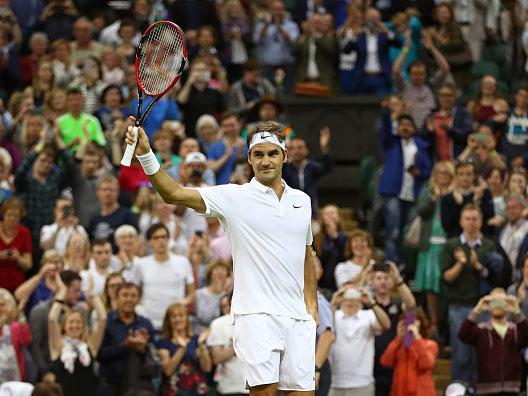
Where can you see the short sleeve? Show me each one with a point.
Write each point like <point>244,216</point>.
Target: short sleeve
<point>309,236</point>
<point>189,276</point>
<point>216,199</point>
<point>373,321</point>
<point>215,337</point>
<point>326,321</point>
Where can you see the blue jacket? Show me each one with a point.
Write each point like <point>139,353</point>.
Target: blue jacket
<point>392,175</point>
<point>360,47</point>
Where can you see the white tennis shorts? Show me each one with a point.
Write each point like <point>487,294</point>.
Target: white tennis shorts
<point>276,349</point>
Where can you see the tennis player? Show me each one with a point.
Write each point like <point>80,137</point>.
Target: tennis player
<point>268,223</point>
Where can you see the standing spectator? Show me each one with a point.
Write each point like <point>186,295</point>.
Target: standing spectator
<point>76,124</point>
<point>495,179</point>
<point>112,215</point>
<point>412,362</point>
<point>447,129</point>
<point>274,36</point>
<point>463,272</point>
<point>64,71</point>
<point>352,27</point>
<point>77,253</point>
<point>514,233</point>
<point>472,18</point>
<point>184,355</point>
<point>356,269</point>
<point>207,300</point>
<point>15,336</point>
<point>196,98</point>
<point>316,53</point>
<point>40,287</point>
<point>330,246</point>
<point>407,165</point>
<point>488,105</point>
<point>516,182</point>
<point>73,347</point>
<point>109,297</point>
<point>386,277</point>
<point>83,45</point>
<point>127,241</point>
<point>129,37</point>
<point>464,192</point>
<point>163,142</point>
<point>230,380</point>
<point>38,322</point>
<point>352,356</point>
<point>519,289</point>
<point>428,276</point>
<point>123,353</point>
<point>236,33</point>
<point>57,20</point>
<point>165,111</point>
<point>191,15</point>
<point>165,278</point>
<point>43,82</point>
<point>498,343</point>
<point>224,154</point>
<point>246,92</point>
<point>38,46</point>
<point>207,131</point>
<point>94,278</point>
<point>65,224</point>
<point>111,108</point>
<point>302,173</point>
<point>372,71</point>
<point>513,143</point>
<point>15,245</point>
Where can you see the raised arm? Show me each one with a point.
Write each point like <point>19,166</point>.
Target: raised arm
<point>170,191</point>
<point>54,327</point>
<point>96,336</point>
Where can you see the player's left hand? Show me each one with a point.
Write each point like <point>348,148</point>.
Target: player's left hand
<point>315,316</point>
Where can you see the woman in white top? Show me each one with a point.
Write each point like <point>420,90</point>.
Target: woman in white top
<point>357,267</point>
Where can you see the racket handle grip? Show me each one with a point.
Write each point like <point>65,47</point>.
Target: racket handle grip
<point>130,148</point>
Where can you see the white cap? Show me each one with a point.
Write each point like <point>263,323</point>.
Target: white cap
<point>195,157</point>
<point>352,294</point>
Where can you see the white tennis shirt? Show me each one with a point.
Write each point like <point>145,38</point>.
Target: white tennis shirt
<point>268,241</point>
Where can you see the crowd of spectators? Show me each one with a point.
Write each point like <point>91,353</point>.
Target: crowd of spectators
<point>107,290</point>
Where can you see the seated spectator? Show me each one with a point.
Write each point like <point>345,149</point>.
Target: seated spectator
<point>90,84</point>
<point>129,37</point>
<point>224,153</point>
<point>358,267</point>
<point>127,241</point>
<point>163,143</point>
<point>220,342</point>
<point>15,245</point>
<point>38,46</point>
<point>302,173</point>
<point>42,286</point>
<point>195,165</point>
<point>481,151</point>
<point>64,71</point>
<point>94,278</point>
<point>205,43</point>
<point>111,107</point>
<point>207,299</point>
<point>38,322</point>
<point>463,271</point>
<point>191,145</point>
<point>196,98</point>
<point>236,33</point>
<point>207,131</point>
<point>184,354</point>
<point>386,277</point>
<point>516,183</point>
<point>464,192</point>
<point>513,141</point>
<point>55,104</point>
<point>274,37</point>
<point>83,44</point>
<point>269,108</point>
<point>447,128</point>
<point>72,346</point>
<point>33,122</point>
<point>112,215</point>
<point>316,53</point>
<point>165,111</point>
<point>165,278</point>
<point>356,323</point>
<point>428,276</point>
<point>246,92</point>
<point>77,253</point>
<point>498,342</point>
<point>56,235</point>
<point>123,353</point>
<point>109,296</point>
<point>15,337</point>
<point>111,70</point>
<point>412,356</point>
<point>519,288</point>
<point>372,72</point>
<point>43,82</point>
<point>513,234</point>
<point>200,255</point>
<point>407,165</point>
<point>76,124</point>
<point>488,105</point>
<point>496,181</point>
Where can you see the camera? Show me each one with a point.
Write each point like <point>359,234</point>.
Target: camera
<point>68,211</point>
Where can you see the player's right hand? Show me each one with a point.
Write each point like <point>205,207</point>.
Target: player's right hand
<point>143,145</point>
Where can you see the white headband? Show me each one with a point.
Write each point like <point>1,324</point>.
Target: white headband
<point>266,137</point>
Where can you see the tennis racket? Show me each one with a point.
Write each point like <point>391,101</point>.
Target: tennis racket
<point>160,59</point>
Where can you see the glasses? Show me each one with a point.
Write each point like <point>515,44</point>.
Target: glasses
<point>158,237</point>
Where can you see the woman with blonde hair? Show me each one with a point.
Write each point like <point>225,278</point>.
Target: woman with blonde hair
<point>184,355</point>
<point>43,82</point>
<point>361,259</point>
<point>73,346</point>
<point>14,335</point>
<point>77,253</point>
<point>428,277</point>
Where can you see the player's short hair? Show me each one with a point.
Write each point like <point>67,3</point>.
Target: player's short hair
<point>267,126</point>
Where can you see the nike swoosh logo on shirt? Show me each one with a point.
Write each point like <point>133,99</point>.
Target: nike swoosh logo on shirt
<point>297,207</point>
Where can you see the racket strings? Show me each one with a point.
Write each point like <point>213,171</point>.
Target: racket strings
<point>161,54</point>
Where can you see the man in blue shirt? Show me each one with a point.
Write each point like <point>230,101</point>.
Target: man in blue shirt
<point>125,340</point>
<point>224,154</point>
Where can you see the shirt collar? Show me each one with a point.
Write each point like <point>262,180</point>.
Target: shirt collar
<point>476,242</point>
<point>265,189</point>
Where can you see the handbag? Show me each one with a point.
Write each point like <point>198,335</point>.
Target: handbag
<point>412,236</point>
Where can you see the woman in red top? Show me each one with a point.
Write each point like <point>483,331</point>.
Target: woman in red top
<point>413,363</point>
<point>488,105</point>
<point>15,245</point>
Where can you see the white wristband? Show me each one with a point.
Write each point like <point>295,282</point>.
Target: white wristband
<point>149,163</point>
